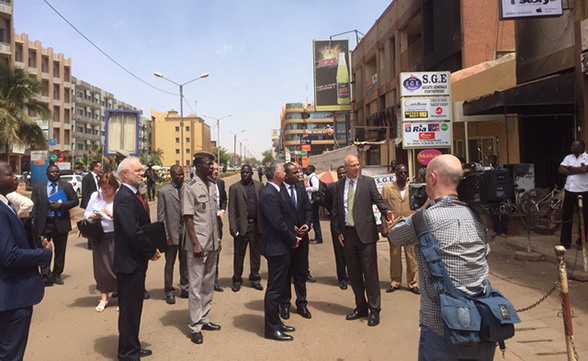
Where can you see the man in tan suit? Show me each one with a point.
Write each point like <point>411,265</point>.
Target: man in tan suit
<point>397,197</point>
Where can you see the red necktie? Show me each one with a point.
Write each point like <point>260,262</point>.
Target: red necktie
<point>142,201</point>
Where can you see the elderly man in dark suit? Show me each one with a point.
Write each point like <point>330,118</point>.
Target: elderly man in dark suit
<point>53,219</point>
<point>169,211</point>
<point>21,286</point>
<point>220,214</point>
<point>355,228</point>
<point>132,251</point>
<point>244,221</point>
<point>277,242</point>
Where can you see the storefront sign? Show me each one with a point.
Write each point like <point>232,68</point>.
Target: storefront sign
<point>38,155</point>
<point>513,9</point>
<point>423,109</point>
<point>426,135</point>
<point>429,84</point>
<point>426,156</point>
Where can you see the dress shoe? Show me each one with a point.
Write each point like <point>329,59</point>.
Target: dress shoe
<point>374,318</point>
<point>343,285</point>
<point>285,328</point>
<point>257,286</point>
<point>144,352</point>
<point>184,294</point>
<point>391,289</point>
<point>356,314</point>
<point>146,295</point>
<point>218,288</point>
<point>58,280</point>
<point>315,241</point>
<point>304,312</point>
<point>310,279</point>
<point>285,313</point>
<point>114,295</point>
<point>48,281</point>
<point>236,287</point>
<point>170,299</point>
<point>278,336</point>
<point>197,338</point>
<point>211,327</point>
<point>415,290</point>
<point>503,235</point>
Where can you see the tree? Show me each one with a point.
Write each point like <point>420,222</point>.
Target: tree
<point>18,93</point>
<point>108,162</point>
<point>225,158</point>
<point>152,158</point>
<point>268,156</point>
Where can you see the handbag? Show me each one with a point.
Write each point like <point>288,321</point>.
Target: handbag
<point>91,229</point>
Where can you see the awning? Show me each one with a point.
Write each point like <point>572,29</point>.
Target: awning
<point>553,95</point>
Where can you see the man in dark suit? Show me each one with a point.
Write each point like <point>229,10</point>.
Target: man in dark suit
<point>90,183</point>
<point>222,208</point>
<point>132,251</point>
<point>338,248</point>
<point>302,211</point>
<point>244,222</point>
<point>356,230</point>
<point>21,286</point>
<point>169,211</point>
<point>50,223</point>
<point>277,241</point>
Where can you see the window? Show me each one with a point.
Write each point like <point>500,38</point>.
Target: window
<point>188,162</point>
<point>177,129</point>
<point>187,129</point>
<point>187,140</point>
<point>187,151</point>
<point>177,140</point>
<point>177,151</point>
<point>294,116</point>
<point>321,115</point>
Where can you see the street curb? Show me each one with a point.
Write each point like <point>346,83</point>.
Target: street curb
<point>520,244</point>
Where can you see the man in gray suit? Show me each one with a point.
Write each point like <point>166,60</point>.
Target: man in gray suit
<point>244,217</point>
<point>169,211</point>
<point>355,228</point>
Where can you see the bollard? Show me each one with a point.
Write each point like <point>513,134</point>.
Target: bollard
<point>582,231</point>
<point>566,310</point>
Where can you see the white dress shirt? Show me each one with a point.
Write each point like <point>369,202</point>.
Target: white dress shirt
<point>345,192</point>
<point>576,182</point>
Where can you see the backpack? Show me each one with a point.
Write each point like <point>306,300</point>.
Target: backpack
<point>319,197</point>
<point>488,317</point>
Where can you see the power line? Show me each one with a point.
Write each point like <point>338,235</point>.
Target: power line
<point>102,51</point>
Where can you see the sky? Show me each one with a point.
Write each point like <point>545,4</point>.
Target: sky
<point>258,53</point>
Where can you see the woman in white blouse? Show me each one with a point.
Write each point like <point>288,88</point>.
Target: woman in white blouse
<point>100,207</point>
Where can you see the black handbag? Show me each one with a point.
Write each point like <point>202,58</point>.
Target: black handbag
<point>91,229</point>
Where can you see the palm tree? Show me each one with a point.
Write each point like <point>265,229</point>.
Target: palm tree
<point>18,93</point>
<point>152,158</point>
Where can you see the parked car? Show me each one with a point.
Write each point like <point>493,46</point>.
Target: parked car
<point>75,181</point>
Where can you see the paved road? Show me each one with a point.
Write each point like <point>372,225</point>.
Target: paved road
<point>66,327</point>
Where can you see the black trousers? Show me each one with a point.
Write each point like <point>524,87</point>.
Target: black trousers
<point>569,206</point>
<point>151,191</point>
<point>298,271</point>
<point>252,239</point>
<point>131,288</point>
<point>220,234</point>
<point>60,242</point>
<point>362,269</point>
<point>339,258</point>
<point>14,332</point>
<point>277,268</point>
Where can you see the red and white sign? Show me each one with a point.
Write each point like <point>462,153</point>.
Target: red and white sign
<point>426,135</point>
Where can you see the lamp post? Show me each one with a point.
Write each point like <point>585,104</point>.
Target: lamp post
<point>241,148</point>
<point>159,75</point>
<point>217,134</point>
<point>235,145</point>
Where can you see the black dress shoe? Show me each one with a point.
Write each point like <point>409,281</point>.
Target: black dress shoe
<point>285,328</point>
<point>356,314</point>
<point>197,338</point>
<point>48,281</point>
<point>304,312</point>
<point>146,295</point>
<point>144,352</point>
<point>278,336</point>
<point>391,289</point>
<point>170,299</point>
<point>285,313</point>
<point>184,294</point>
<point>309,278</point>
<point>343,285</point>
<point>114,295</point>
<point>211,327</point>
<point>236,287</point>
<point>374,318</point>
<point>415,290</point>
<point>58,280</point>
<point>218,288</point>
<point>257,286</point>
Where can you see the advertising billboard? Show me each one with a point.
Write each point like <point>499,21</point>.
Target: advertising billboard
<point>517,9</point>
<point>122,132</point>
<point>426,135</point>
<point>425,84</point>
<point>425,109</point>
<point>332,86</point>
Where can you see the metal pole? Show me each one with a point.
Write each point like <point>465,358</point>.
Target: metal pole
<point>234,149</point>
<point>583,231</point>
<point>566,310</point>
<point>182,125</point>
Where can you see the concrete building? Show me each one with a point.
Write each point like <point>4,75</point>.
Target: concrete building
<point>167,136</point>
<point>6,32</point>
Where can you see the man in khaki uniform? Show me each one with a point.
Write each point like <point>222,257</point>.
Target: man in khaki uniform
<point>397,197</point>
<point>199,209</point>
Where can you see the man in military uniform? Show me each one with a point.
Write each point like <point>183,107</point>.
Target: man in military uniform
<point>199,209</point>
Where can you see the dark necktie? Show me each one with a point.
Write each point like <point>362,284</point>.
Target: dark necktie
<point>97,180</point>
<point>12,207</point>
<point>53,189</point>
<point>293,196</point>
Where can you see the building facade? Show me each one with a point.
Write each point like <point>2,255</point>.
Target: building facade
<point>6,32</point>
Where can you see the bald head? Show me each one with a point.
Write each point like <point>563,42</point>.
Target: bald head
<point>443,176</point>
<point>351,166</point>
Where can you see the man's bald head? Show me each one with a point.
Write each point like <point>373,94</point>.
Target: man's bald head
<point>443,176</point>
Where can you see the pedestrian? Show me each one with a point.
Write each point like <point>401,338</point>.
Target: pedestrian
<point>220,214</point>
<point>244,226</point>
<point>260,173</point>
<point>397,196</point>
<point>313,187</point>
<point>356,230</point>
<point>463,242</point>
<point>151,181</point>
<point>53,219</point>
<point>278,240</point>
<point>100,207</point>
<point>199,209</point>
<point>337,247</point>
<point>132,252</point>
<point>499,221</point>
<point>192,172</point>
<point>301,209</point>
<point>21,286</point>
<point>169,212</point>
<point>575,168</point>
<point>89,186</point>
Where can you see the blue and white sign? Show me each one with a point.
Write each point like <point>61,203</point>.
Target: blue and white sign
<point>52,141</point>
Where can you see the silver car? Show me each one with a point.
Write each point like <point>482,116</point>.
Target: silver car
<point>75,181</point>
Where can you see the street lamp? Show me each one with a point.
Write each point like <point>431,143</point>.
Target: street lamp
<point>241,148</point>
<point>235,144</point>
<point>159,75</point>
<point>217,134</point>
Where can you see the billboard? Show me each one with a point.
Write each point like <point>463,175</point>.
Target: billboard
<point>332,86</point>
<point>426,135</point>
<point>517,9</point>
<point>122,132</point>
<point>436,83</point>
<point>425,109</point>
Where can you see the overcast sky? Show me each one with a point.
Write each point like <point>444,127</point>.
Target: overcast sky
<point>258,52</point>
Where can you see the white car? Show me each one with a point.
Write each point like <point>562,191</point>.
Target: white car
<point>75,181</point>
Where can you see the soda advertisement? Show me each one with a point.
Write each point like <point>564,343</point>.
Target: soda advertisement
<point>426,135</point>
<point>421,109</point>
<point>332,88</point>
<point>517,9</point>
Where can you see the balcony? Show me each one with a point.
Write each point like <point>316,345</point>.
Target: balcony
<point>5,48</point>
<point>83,102</point>
<point>5,8</point>
<point>56,102</point>
<point>33,70</point>
<point>67,84</point>
<point>410,58</point>
<point>45,75</point>
<point>45,99</point>
<point>67,105</point>
<point>19,64</point>
<point>56,124</point>
<point>56,80</point>
<point>66,147</point>
<point>67,126</point>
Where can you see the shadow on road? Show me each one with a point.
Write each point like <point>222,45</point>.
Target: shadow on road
<point>250,323</point>
<point>107,346</point>
<point>85,302</point>
<point>255,305</point>
<point>175,318</point>
<point>327,280</point>
<point>332,308</point>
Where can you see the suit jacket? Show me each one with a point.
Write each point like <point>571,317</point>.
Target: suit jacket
<point>88,187</point>
<point>169,212</point>
<point>21,284</point>
<point>132,249</point>
<point>398,204</point>
<point>330,198</point>
<point>366,194</point>
<point>238,208</point>
<point>41,208</point>
<point>222,194</point>
<point>277,223</point>
<point>303,210</point>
